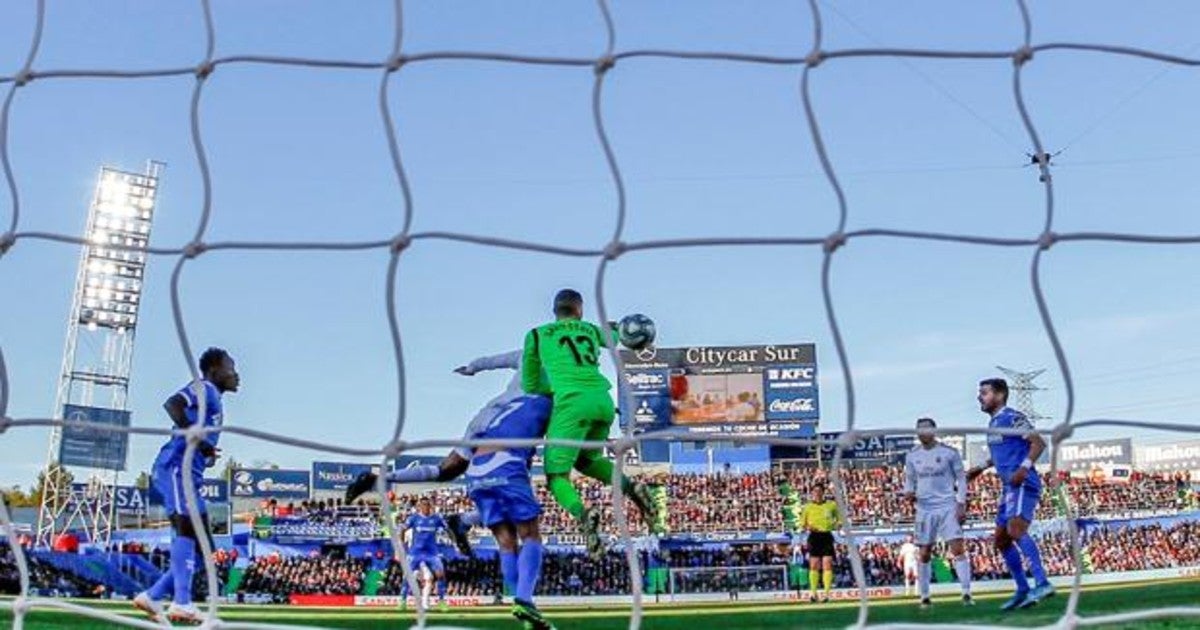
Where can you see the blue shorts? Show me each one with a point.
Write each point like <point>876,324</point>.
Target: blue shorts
<point>431,560</point>
<point>1017,501</point>
<point>168,480</point>
<point>509,501</point>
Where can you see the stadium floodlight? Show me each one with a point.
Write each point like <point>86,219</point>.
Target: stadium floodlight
<point>119,231</point>
<point>94,382</point>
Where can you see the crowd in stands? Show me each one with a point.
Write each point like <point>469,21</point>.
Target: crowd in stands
<point>1105,549</point>
<point>312,575</point>
<point>1147,547</point>
<point>316,510</point>
<point>562,574</point>
<point>751,502</point>
<point>736,568</point>
<point>44,579</point>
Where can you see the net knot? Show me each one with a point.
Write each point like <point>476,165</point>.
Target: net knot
<point>7,240</point>
<point>814,58</point>
<point>834,241</point>
<point>194,249</point>
<point>395,62</point>
<point>1061,433</point>
<point>604,64</point>
<point>204,69</point>
<point>24,77</point>
<point>400,243</point>
<point>1022,55</point>
<point>613,250</point>
<point>1047,239</point>
<point>394,448</point>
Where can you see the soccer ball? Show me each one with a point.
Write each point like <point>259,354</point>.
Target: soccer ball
<point>636,331</point>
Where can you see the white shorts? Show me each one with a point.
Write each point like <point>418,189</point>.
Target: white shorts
<point>941,523</point>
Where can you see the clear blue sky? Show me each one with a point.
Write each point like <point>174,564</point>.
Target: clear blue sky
<point>708,149</point>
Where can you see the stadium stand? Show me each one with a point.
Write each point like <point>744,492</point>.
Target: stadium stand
<point>45,578</point>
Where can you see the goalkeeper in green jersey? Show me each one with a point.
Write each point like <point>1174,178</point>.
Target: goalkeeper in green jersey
<point>568,349</point>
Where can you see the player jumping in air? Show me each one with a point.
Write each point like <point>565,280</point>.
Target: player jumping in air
<point>454,464</point>
<point>219,375</point>
<point>568,349</point>
<point>423,551</point>
<point>1014,455</point>
<point>935,480</point>
<point>499,483</point>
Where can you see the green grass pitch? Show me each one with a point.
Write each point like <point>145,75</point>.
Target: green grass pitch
<point>1098,600</point>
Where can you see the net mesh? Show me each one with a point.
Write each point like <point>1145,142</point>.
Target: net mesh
<point>395,59</point>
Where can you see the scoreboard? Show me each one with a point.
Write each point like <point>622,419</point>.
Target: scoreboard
<point>744,390</point>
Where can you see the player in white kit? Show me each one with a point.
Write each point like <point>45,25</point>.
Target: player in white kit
<point>935,479</point>
<point>908,563</point>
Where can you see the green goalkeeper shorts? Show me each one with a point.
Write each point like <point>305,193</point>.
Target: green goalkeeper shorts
<point>586,415</point>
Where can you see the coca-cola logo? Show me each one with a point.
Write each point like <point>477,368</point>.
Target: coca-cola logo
<point>795,405</point>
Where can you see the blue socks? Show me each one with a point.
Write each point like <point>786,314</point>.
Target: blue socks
<point>442,589</point>
<point>164,585</point>
<point>508,570</point>
<point>529,564</point>
<point>416,474</point>
<point>1029,549</point>
<point>183,564</point>
<point>1012,558</point>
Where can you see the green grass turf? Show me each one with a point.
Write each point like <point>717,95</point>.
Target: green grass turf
<point>1098,600</point>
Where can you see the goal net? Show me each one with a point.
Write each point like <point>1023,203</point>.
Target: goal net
<point>18,231</point>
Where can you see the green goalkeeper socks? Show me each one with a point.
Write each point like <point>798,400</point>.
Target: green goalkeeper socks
<point>565,493</point>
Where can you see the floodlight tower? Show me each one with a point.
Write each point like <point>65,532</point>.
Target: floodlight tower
<point>93,384</point>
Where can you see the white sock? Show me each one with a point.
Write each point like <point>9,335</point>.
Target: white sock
<point>962,566</point>
<point>415,474</point>
<point>923,571</point>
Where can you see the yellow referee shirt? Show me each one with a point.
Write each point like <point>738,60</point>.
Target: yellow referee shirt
<point>820,517</point>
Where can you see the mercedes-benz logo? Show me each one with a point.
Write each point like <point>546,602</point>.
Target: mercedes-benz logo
<point>647,354</point>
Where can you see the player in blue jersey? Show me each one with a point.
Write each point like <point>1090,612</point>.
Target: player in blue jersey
<point>219,375</point>
<point>1013,455</point>
<point>423,550</point>
<point>498,481</point>
<point>453,465</point>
